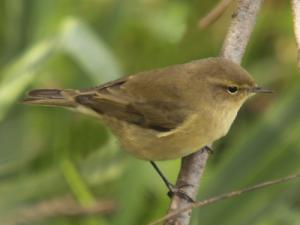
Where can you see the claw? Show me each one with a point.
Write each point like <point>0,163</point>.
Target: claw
<point>208,149</point>
<point>173,190</point>
<point>180,193</point>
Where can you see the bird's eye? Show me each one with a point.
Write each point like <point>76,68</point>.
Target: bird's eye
<point>232,90</point>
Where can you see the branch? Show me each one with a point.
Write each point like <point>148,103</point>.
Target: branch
<point>192,169</point>
<point>58,207</point>
<point>296,19</point>
<point>243,21</point>
<point>221,197</point>
<point>193,165</point>
<point>214,14</point>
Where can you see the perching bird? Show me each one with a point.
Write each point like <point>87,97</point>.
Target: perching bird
<point>165,113</point>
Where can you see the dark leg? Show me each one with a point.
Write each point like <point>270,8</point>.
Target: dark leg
<point>162,176</point>
<point>172,189</point>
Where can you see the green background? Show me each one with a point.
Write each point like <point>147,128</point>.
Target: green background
<point>49,153</point>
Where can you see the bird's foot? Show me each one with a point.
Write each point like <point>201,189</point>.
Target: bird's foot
<point>208,150</point>
<point>173,190</point>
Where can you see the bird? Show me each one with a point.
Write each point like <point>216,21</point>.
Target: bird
<point>165,113</point>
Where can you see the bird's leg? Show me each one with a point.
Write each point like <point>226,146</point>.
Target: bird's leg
<point>162,176</point>
<point>173,190</point>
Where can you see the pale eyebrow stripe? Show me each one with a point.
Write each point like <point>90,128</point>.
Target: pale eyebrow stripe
<point>226,83</point>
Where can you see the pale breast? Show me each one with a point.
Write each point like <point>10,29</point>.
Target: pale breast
<point>198,130</point>
<point>194,133</point>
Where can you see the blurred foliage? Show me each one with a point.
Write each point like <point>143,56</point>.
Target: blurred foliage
<point>46,153</point>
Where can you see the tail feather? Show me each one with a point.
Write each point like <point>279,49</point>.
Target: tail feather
<point>50,97</point>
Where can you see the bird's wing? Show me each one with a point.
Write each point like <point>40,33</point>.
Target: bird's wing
<point>114,100</point>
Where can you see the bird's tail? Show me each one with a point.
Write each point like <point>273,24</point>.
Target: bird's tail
<point>51,97</point>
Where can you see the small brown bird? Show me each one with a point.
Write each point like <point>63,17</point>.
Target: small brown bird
<point>165,113</point>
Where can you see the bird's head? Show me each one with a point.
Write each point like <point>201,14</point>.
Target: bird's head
<point>227,84</point>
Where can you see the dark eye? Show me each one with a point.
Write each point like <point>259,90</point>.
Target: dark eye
<point>232,90</point>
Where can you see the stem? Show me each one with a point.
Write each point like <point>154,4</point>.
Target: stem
<point>242,24</point>
<point>214,14</point>
<point>81,191</point>
<point>296,19</point>
<point>76,183</point>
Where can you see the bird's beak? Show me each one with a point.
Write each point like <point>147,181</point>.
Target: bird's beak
<point>260,90</point>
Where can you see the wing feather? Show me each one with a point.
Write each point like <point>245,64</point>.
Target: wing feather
<point>112,100</point>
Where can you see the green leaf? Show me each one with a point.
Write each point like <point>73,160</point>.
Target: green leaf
<point>89,51</point>
<point>17,76</point>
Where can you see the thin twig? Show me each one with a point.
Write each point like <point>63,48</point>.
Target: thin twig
<point>296,19</point>
<point>214,14</point>
<point>193,166</point>
<point>221,197</point>
<point>65,206</point>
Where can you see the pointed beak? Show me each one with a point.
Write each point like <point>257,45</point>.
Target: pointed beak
<point>260,90</point>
